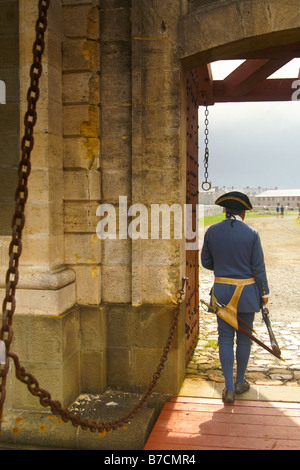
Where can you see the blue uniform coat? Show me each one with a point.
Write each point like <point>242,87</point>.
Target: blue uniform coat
<point>233,249</point>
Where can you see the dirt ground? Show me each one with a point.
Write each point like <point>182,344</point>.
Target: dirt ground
<point>280,238</point>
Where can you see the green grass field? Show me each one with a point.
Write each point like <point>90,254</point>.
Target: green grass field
<point>213,219</point>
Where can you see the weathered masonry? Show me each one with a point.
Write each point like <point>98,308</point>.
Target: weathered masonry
<point>122,81</point>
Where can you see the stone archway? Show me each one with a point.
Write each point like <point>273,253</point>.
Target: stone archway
<point>264,51</point>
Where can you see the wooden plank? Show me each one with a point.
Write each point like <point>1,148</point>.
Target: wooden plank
<point>193,423</point>
<point>174,441</point>
<point>212,426</point>
<point>255,411</point>
<point>264,404</point>
<point>167,416</point>
<point>228,425</point>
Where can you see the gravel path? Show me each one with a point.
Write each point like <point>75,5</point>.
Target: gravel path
<point>280,239</point>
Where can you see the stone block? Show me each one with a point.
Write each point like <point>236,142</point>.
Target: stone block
<point>93,372</point>
<point>115,25</point>
<point>82,248</point>
<point>80,54</point>
<point>50,350</point>
<point>144,365</point>
<point>115,152</point>
<point>116,121</point>
<point>134,356</point>
<point>119,368</point>
<point>46,252</point>
<point>81,152</point>
<point>49,377</point>
<point>73,57</point>
<point>117,92</point>
<point>45,185</point>
<point>47,151</point>
<point>81,120</point>
<point>53,76</point>
<point>116,283</point>
<point>82,185</point>
<point>159,186</point>
<point>157,284</point>
<point>116,58</point>
<point>161,87</point>
<point>116,252</point>
<point>81,21</point>
<point>73,117</point>
<point>44,301</point>
<point>93,349</point>
<point>93,328</point>
<point>80,216</point>
<point>115,182</point>
<point>88,284</point>
<point>161,252</point>
<point>80,88</point>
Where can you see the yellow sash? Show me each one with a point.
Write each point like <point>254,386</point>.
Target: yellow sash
<point>229,312</point>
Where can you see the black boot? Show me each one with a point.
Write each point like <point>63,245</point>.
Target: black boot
<point>228,396</point>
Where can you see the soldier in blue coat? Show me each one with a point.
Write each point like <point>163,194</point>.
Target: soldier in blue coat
<point>232,249</point>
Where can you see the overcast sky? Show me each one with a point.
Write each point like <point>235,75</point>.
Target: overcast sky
<point>253,144</point>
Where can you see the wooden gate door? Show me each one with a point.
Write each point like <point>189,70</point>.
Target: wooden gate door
<point>192,255</point>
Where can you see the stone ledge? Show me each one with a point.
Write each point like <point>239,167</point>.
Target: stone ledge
<point>32,277</point>
<point>43,292</point>
<point>43,430</point>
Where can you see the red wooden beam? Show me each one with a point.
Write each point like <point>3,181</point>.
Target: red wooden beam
<point>205,85</point>
<point>250,74</point>
<point>269,90</point>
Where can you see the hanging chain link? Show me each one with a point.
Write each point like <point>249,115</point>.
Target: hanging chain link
<point>15,249</point>
<point>18,221</point>
<point>99,426</point>
<point>206,186</point>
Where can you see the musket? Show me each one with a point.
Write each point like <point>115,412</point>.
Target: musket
<point>274,351</point>
<point>266,318</point>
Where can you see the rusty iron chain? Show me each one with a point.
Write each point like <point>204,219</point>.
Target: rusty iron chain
<point>99,426</point>
<point>15,250</point>
<point>21,195</point>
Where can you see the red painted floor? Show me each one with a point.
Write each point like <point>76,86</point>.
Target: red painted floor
<point>187,423</point>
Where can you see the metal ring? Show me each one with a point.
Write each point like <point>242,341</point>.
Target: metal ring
<point>206,186</point>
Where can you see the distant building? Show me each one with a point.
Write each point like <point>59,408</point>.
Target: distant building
<point>289,198</point>
<point>209,197</point>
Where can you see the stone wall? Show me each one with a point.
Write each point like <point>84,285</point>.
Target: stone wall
<point>116,140</point>
<point>81,97</point>
<point>111,123</point>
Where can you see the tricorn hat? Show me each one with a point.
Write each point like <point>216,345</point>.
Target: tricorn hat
<point>234,200</point>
